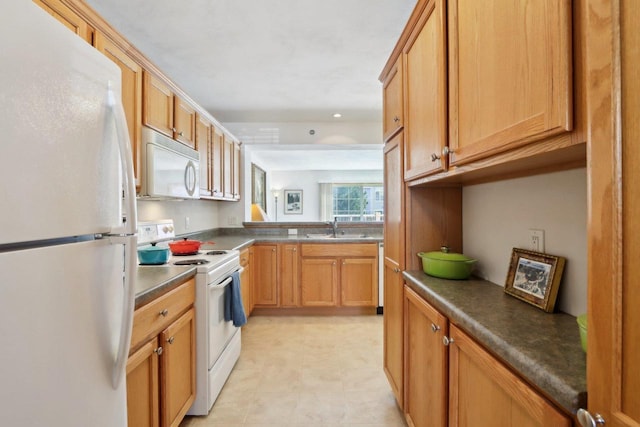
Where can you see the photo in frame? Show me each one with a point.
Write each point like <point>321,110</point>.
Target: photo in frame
<point>258,187</point>
<point>293,202</point>
<point>534,277</point>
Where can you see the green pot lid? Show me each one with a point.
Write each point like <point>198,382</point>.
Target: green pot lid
<point>443,255</point>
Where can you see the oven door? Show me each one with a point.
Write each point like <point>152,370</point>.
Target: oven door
<point>220,331</point>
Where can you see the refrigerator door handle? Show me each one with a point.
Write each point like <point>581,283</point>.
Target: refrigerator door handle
<point>128,304</point>
<point>126,158</point>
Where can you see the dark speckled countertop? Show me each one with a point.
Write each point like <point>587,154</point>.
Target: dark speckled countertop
<point>544,348</point>
<point>153,281</point>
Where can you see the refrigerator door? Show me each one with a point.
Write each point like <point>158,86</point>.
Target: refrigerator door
<point>61,171</point>
<point>62,310</point>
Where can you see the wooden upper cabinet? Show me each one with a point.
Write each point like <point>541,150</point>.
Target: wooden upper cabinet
<point>157,110</point>
<point>510,75</point>
<point>184,122</point>
<point>425,98</point>
<point>203,145</point>
<point>392,117</point>
<point>217,167</point>
<point>235,183</point>
<point>227,167</point>
<point>131,92</point>
<point>68,17</point>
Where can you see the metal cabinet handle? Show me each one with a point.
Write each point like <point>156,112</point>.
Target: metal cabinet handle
<point>434,327</point>
<point>171,339</point>
<point>446,151</point>
<point>434,157</point>
<point>181,133</point>
<point>396,119</point>
<point>447,341</point>
<point>164,313</point>
<point>273,250</point>
<point>173,129</point>
<point>587,420</point>
<point>396,270</point>
<point>295,249</point>
<point>158,351</point>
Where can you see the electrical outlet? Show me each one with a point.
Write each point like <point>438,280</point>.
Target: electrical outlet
<point>187,222</point>
<point>536,240</point>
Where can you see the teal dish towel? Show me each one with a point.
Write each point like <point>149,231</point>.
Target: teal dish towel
<point>233,308</point>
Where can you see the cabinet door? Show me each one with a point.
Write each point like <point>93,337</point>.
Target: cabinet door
<point>67,17</point>
<point>235,183</point>
<point>131,92</point>
<point>289,288</point>
<point>425,369</point>
<point>392,117</point>
<point>184,122</point>
<point>509,74</point>
<point>359,282</point>
<point>319,282</point>
<point>394,201</point>
<point>217,166</point>
<point>178,369</point>
<point>203,145</point>
<point>483,392</point>
<point>245,280</point>
<point>265,278</point>
<point>227,167</point>
<point>157,105</point>
<point>425,94</point>
<point>143,391</point>
<point>613,372</point>
<point>393,330</point>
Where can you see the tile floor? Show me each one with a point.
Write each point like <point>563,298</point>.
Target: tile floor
<point>307,371</point>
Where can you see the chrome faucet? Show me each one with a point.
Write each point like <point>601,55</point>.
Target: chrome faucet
<point>334,225</point>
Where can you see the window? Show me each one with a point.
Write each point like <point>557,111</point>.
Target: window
<point>355,203</point>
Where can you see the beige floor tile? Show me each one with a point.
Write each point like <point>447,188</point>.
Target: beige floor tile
<point>311,371</point>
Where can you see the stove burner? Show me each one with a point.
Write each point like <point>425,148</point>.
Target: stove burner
<point>191,262</point>
<point>216,253</point>
<point>187,253</point>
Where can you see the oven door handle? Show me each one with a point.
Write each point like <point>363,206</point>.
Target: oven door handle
<point>222,284</point>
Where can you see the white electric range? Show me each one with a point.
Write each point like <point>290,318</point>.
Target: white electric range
<point>218,342</point>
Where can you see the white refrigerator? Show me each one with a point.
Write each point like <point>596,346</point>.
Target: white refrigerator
<point>66,253</point>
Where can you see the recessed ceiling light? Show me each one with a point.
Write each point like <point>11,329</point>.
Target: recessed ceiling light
<point>337,115</point>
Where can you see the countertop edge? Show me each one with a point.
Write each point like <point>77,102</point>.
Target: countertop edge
<point>170,281</point>
<point>556,388</point>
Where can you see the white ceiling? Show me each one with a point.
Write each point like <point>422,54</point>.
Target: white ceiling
<point>277,63</point>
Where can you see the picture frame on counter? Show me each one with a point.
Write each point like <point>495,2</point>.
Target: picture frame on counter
<point>293,202</point>
<point>535,277</point>
<point>258,186</point>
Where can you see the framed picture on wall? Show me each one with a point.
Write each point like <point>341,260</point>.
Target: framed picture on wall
<point>258,186</point>
<point>535,278</point>
<point>293,202</point>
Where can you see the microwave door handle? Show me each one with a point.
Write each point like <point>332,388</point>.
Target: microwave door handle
<point>190,178</point>
<point>126,159</point>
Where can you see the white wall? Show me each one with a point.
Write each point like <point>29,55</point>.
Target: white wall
<point>309,183</point>
<point>497,217</point>
<point>203,214</point>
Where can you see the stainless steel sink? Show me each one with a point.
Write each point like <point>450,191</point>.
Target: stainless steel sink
<point>338,236</point>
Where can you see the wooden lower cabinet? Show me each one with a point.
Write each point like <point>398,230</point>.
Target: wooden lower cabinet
<point>425,367</point>
<point>143,391</point>
<point>245,280</point>
<point>289,284</point>
<point>265,275</point>
<point>339,275</point>
<point>483,392</point>
<point>319,282</point>
<point>161,381</point>
<point>462,384</point>
<point>359,282</point>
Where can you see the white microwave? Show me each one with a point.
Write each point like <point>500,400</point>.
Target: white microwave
<point>169,169</point>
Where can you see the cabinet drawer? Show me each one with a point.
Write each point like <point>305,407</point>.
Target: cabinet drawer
<point>340,250</point>
<point>149,319</point>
